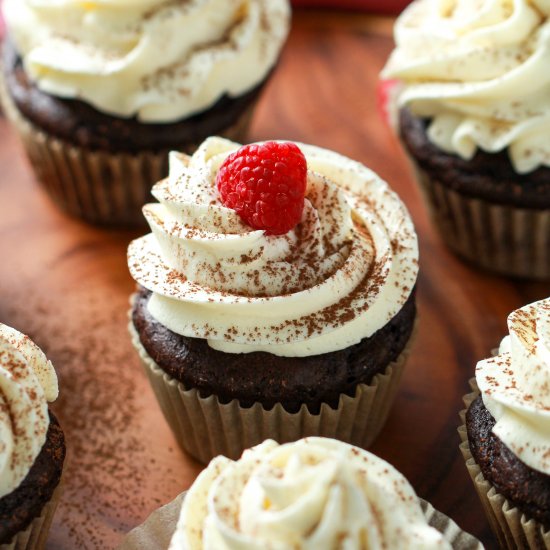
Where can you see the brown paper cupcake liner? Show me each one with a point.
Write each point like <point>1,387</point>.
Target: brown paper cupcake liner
<point>97,186</point>
<point>512,528</point>
<point>35,535</point>
<point>157,530</point>
<point>205,428</point>
<point>500,238</point>
<point>459,539</point>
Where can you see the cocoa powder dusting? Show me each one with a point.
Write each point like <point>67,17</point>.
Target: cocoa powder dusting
<point>122,461</point>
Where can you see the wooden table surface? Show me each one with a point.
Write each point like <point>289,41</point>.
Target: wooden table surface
<point>67,285</point>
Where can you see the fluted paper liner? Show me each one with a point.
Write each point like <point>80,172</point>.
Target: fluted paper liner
<point>512,528</point>
<point>35,535</point>
<point>205,428</point>
<point>97,186</point>
<point>156,532</point>
<point>500,238</point>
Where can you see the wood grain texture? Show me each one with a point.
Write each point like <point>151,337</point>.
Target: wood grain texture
<point>67,286</point>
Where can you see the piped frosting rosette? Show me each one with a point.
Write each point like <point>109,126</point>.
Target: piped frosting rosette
<point>27,383</point>
<point>339,276</point>
<point>478,70</point>
<point>515,386</point>
<point>314,493</point>
<point>157,60</point>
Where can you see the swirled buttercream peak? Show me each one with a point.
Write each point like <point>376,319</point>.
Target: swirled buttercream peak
<point>477,70</point>
<point>27,382</point>
<point>340,275</point>
<point>157,60</point>
<point>313,493</point>
<point>515,385</point>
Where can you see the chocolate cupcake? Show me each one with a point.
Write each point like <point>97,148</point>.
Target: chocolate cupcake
<point>246,334</point>
<point>32,446</point>
<point>473,118</point>
<point>101,93</point>
<point>506,431</point>
<point>313,493</point>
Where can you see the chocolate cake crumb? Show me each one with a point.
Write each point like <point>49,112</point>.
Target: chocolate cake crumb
<point>20,507</point>
<point>77,122</point>
<point>267,378</point>
<point>489,176</point>
<point>523,486</point>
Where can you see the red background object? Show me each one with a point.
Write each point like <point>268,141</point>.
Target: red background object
<point>1,21</point>
<point>379,6</point>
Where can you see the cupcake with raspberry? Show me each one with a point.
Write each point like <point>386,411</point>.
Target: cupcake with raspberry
<point>101,91</point>
<point>473,117</point>
<point>32,446</point>
<point>313,493</point>
<point>277,296</point>
<point>506,435</point>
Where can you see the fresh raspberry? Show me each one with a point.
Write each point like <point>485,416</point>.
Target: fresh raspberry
<point>387,91</point>
<point>265,184</point>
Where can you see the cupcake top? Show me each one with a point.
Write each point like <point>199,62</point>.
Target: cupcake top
<point>340,275</point>
<point>27,383</point>
<point>515,386</point>
<point>311,494</point>
<point>478,70</point>
<point>157,60</point>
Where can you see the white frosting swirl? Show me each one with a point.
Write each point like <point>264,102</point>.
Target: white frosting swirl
<point>311,494</point>
<point>479,70</point>
<point>515,386</point>
<point>338,277</point>
<point>158,60</point>
<point>27,382</point>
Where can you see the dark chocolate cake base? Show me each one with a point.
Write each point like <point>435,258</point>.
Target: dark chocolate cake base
<point>525,488</point>
<point>80,124</point>
<point>20,507</point>
<point>489,176</point>
<point>484,211</point>
<point>266,378</point>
